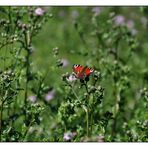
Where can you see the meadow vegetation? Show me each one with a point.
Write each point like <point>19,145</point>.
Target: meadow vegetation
<point>41,99</point>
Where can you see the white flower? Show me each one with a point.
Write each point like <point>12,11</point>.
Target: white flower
<point>32,99</point>
<point>134,32</point>
<point>71,78</point>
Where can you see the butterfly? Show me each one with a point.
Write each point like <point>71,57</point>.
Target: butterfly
<point>82,71</point>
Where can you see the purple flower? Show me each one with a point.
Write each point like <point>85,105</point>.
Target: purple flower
<point>130,24</point>
<point>96,10</point>
<point>32,99</point>
<point>50,95</point>
<point>39,11</point>
<point>119,20</point>
<point>65,62</point>
<point>71,78</point>
<point>74,14</point>
<point>69,136</point>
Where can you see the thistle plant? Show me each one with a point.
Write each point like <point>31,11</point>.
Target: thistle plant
<point>18,27</point>
<point>83,98</point>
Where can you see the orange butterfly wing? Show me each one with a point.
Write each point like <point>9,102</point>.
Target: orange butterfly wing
<point>82,71</point>
<point>77,68</point>
<point>88,71</point>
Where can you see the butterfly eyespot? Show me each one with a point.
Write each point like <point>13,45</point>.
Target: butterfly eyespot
<point>75,65</point>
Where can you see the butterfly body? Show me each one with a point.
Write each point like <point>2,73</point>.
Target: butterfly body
<point>82,71</point>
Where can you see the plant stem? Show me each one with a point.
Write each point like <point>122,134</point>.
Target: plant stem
<point>117,97</point>
<point>87,119</point>
<point>27,48</point>
<point>86,109</point>
<point>1,118</point>
<point>87,113</point>
<point>86,88</point>
<point>27,72</point>
<point>91,122</point>
<point>25,134</point>
<point>74,93</point>
<point>87,122</point>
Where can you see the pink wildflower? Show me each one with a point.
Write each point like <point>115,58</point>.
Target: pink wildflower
<point>96,10</point>
<point>130,24</point>
<point>119,20</point>
<point>50,95</point>
<point>39,11</point>
<point>65,62</point>
<point>69,136</point>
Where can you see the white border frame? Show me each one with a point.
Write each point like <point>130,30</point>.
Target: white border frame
<point>74,2</point>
